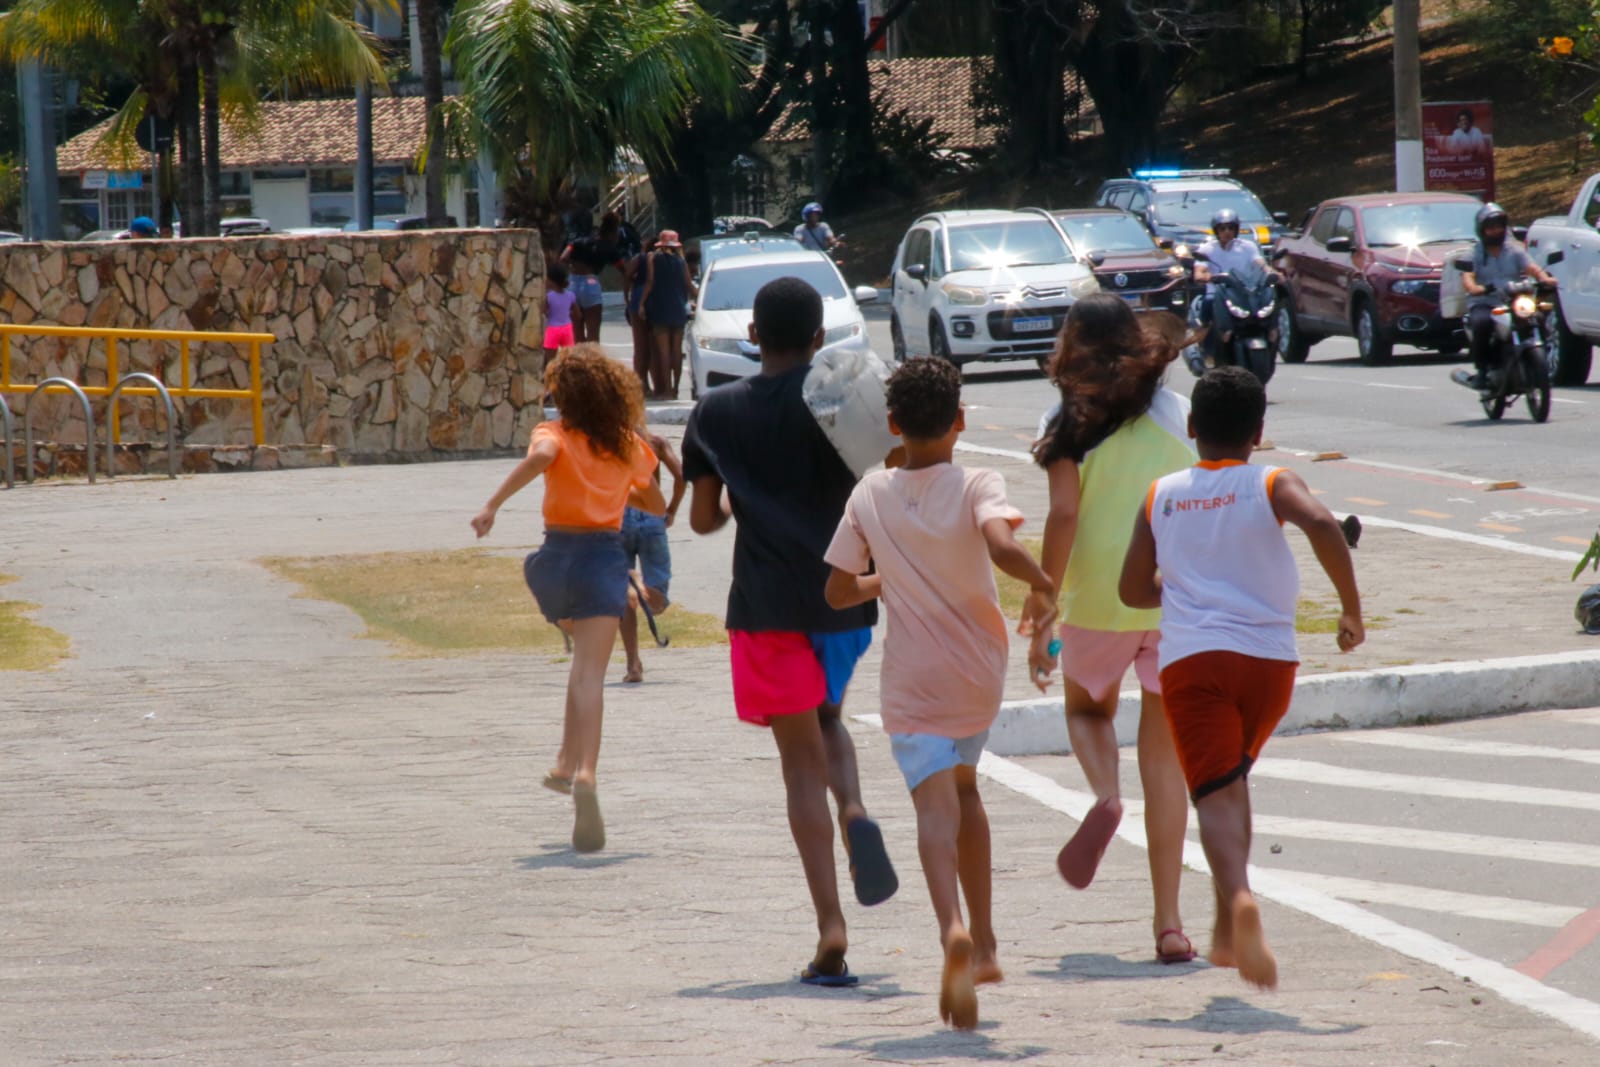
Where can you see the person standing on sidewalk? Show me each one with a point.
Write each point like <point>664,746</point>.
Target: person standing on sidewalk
<point>1115,429</point>
<point>1227,588</point>
<point>668,289</point>
<point>593,463</point>
<point>932,528</point>
<point>644,542</point>
<point>587,256</point>
<point>792,655</point>
<point>633,285</point>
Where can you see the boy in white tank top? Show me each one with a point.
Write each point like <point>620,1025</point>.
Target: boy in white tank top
<point>1227,589</point>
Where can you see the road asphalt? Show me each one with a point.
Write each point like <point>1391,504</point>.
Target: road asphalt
<point>241,834</point>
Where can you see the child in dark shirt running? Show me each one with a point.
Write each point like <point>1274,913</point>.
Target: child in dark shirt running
<point>792,654</point>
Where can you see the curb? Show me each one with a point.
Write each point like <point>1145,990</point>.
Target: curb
<point>1357,700</point>
<point>668,414</point>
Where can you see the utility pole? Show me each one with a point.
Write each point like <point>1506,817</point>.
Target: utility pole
<point>363,134</point>
<point>39,129</point>
<point>1408,169</point>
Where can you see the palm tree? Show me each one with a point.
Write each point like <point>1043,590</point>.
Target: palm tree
<point>427,31</point>
<point>555,87</point>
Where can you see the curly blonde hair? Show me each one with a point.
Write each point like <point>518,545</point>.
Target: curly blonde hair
<point>598,397</point>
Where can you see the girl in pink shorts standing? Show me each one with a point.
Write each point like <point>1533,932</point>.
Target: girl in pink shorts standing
<point>558,304</point>
<point>1115,430</point>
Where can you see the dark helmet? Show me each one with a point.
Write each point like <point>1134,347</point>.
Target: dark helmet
<point>1489,214</point>
<point>1588,610</point>
<point>810,209</point>
<point>1225,217</point>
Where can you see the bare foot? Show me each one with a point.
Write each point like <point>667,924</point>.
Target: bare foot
<point>635,674</point>
<point>830,951</point>
<point>958,996</point>
<point>588,829</point>
<point>985,967</point>
<point>1257,965</point>
<point>557,782</point>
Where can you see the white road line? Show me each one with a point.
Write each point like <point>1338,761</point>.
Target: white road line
<point>1440,901</point>
<point>1567,400</point>
<point>1294,770</point>
<point>1459,747</point>
<point>1284,887</point>
<point>1007,453</point>
<point>1473,539</point>
<point>1391,385</point>
<point>1559,853</point>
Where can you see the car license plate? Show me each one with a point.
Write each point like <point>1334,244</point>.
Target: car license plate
<point>1034,325</point>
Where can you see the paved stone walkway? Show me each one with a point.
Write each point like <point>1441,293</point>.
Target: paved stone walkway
<point>238,834</point>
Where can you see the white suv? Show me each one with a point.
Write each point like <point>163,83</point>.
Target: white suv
<point>718,337</point>
<point>984,285</point>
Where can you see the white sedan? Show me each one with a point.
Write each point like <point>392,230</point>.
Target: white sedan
<point>718,336</point>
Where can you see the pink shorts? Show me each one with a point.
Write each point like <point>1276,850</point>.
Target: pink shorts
<point>778,673</point>
<point>559,336</point>
<point>1097,660</point>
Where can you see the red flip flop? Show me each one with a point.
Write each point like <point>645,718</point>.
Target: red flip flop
<point>1185,955</point>
<point>1080,857</point>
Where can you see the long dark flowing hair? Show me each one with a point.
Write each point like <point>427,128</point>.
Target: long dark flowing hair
<point>1107,369</point>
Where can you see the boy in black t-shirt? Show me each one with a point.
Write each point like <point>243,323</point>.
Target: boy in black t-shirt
<point>792,654</point>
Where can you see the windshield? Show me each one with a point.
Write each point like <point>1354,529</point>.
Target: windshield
<point>1023,243</point>
<point>1410,225</point>
<point>1107,233</point>
<point>1248,275</point>
<point>734,286</point>
<point>1195,208</point>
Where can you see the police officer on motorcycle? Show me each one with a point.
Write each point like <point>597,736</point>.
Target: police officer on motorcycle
<point>1225,253</point>
<point>1496,263</point>
<point>813,233</point>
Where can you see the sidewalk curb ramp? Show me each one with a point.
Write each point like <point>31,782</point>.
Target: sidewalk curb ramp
<point>1356,700</point>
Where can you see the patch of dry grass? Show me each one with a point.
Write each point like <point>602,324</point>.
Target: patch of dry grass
<point>455,603</point>
<point>24,644</point>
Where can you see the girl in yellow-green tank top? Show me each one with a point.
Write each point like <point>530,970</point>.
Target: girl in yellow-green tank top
<point>1115,429</point>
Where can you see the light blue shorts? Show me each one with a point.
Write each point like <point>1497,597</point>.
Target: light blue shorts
<point>587,289</point>
<point>921,756</point>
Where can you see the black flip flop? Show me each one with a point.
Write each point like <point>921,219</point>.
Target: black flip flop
<point>869,863</point>
<point>649,616</point>
<point>810,976</point>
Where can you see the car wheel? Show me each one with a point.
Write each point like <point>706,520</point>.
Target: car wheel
<point>897,339</point>
<point>1375,344</point>
<point>1570,355</point>
<point>1292,344</point>
<point>938,343</point>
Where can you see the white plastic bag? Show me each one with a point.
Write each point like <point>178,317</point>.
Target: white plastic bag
<point>845,391</point>
<point>1452,295</point>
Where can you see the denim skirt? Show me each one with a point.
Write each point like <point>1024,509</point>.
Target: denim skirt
<point>579,575</point>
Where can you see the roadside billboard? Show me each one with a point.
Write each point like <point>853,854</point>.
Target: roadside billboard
<point>1458,147</point>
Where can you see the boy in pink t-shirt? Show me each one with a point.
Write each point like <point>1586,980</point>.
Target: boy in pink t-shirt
<point>931,529</point>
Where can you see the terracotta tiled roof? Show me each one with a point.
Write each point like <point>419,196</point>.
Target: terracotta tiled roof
<point>299,133</point>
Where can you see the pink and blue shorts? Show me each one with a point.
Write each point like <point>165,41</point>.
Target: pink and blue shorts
<point>780,672</point>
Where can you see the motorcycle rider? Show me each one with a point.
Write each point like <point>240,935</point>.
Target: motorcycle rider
<point>1226,253</point>
<point>813,233</point>
<point>1496,263</point>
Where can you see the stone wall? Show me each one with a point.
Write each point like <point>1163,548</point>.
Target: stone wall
<point>389,345</point>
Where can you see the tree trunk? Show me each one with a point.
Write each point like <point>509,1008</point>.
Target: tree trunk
<point>821,94</point>
<point>166,189</point>
<point>213,143</point>
<point>427,29</point>
<point>1302,70</point>
<point>1031,60</point>
<point>190,154</point>
<point>683,185</point>
<point>859,168</point>
<point>1129,78</point>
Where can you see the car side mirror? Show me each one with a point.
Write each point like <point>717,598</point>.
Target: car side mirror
<point>918,271</point>
<point>1164,243</point>
<point>1339,244</point>
<point>1281,218</point>
<point>1462,264</point>
<point>865,294</point>
<point>1519,232</point>
<point>1555,257</point>
<point>1097,258</point>
<point>1279,252</point>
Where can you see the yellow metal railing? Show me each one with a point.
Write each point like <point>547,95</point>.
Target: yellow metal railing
<point>111,336</point>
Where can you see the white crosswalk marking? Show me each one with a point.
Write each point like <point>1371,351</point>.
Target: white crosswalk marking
<point>1565,853</point>
<point>1445,901</point>
<point>1313,773</point>
<point>1453,746</point>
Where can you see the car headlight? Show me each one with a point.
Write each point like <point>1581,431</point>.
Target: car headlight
<point>1409,287</point>
<point>720,344</point>
<point>841,333</point>
<point>1182,251</point>
<point>965,294</point>
<point>1082,287</point>
<point>1524,306</point>
<point>1176,271</point>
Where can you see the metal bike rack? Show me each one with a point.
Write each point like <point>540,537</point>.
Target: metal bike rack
<point>172,420</point>
<point>11,430</point>
<point>88,419</point>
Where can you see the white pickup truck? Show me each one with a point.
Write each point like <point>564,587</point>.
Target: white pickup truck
<point>1576,236</point>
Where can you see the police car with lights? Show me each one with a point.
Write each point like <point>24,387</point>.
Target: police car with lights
<point>1176,205</point>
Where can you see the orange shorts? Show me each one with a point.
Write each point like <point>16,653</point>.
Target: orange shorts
<point>1222,707</point>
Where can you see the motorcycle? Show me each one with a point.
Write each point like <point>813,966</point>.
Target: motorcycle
<point>1518,365</point>
<point>1249,338</point>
